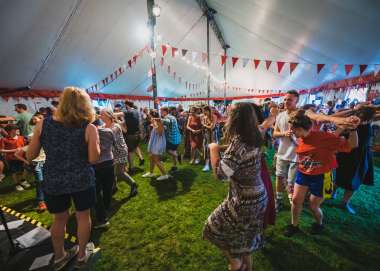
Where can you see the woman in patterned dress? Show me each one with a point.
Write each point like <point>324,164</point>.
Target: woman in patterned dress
<point>208,123</point>
<point>120,151</point>
<point>236,225</point>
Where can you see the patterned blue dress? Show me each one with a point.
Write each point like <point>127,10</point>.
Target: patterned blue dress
<point>66,168</point>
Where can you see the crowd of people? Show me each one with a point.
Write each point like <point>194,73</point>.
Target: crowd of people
<point>79,153</point>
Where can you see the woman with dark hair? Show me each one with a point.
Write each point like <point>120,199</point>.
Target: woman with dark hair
<point>208,123</point>
<point>356,167</point>
<point>194,125</point>
<point>236,226</point>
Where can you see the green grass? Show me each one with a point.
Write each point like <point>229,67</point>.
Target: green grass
<point>161,229</point>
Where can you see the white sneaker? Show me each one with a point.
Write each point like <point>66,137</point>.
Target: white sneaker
<point>163,177</point>
<point>19,188</point>
<point>197,161</point>
<point>148,175</point>
<point>25,184</point>
<point>206,168</point>
<point>2,176</point>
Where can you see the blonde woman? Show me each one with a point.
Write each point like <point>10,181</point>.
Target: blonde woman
<point>71,144</point>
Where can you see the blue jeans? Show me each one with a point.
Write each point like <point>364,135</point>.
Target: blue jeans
<point>38,175</point>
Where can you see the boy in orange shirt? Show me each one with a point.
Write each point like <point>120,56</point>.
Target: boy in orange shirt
<point>9,145</point>
<point>316,158</point>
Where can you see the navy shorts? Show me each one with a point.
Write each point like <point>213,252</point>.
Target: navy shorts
<point>171,146</point>
<point>83,200</point>
<point>314,182</point>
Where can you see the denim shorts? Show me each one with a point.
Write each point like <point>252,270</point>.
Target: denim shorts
<point>83,200</point>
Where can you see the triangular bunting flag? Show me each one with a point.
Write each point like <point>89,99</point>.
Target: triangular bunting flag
<point>362,68</point>
<point>162,61</point>
<point>174,51</point>
<point>292,66</point>
<point>268,63</point>
<point>164,49</point>
<point>194,55</point>
<point>256,62</point>
<point>204,57</point>
<point>234,60</point>
<point>130,63</point>
<point>168,68</point>
<point>184,52</point>
<point>134,59</point>
<point>320,67</point>
<point>280,65</point>
<point>348,68</point>
<point>223,59</point>
<point>245,62</point>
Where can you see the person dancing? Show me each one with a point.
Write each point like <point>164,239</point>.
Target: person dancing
<point>120,151</point>
<point>236,225</point>
<point>316,159</point>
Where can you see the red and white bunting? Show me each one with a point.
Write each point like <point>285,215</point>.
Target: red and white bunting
<point>348,68</point>
<point>280,65</point>
<point>320,67</point>
<point>292,66</point>
<point>174,51</point>
<point>268,63</point>
<point>362,68</point>
<point>256,63</point>
<point>234,60</point>
<point>164,49</point>
<point>223,59</point>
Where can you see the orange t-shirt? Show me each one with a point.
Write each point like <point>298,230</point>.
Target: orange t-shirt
<point>316,152</point>
<point>7,143</point>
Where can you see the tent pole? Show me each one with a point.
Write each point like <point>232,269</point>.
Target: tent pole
<point>152,24</point>
<point>225,78</point>
<point>208,59</point>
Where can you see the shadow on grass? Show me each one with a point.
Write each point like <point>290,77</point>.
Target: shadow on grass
<point>24,206</point>
<point>285,254</point>
<point>115,206</point>
<point>169,188</point>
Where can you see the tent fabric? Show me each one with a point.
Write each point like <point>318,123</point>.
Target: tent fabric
<point>79,42</point>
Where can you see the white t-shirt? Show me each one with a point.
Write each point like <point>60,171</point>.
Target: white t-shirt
<point>287,146</point>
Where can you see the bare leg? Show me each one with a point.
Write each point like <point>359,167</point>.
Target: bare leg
<point>315,204</point>
<point>157,161</point>
<point>139,153</point>
<point>57,231</point>
<point>234,263</point>
<point>83,230</point>
<point>247,260</point>
<point>347,196</point>
<point>152,163</point>
<point>192,155</point>
<point>298,199</point>
<point>175,157</point>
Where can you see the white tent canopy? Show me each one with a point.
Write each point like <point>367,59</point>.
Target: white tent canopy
<point>49,44</point>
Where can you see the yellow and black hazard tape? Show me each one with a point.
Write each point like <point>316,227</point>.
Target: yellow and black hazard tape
<point>33,221</point>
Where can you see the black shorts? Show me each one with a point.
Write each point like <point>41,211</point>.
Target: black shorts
<point>15,166</point>
<point>83,200</point>
<point>171,146</point>
<point>132,141</point>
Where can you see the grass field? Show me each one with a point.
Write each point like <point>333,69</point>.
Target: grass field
<point>161,228</point>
